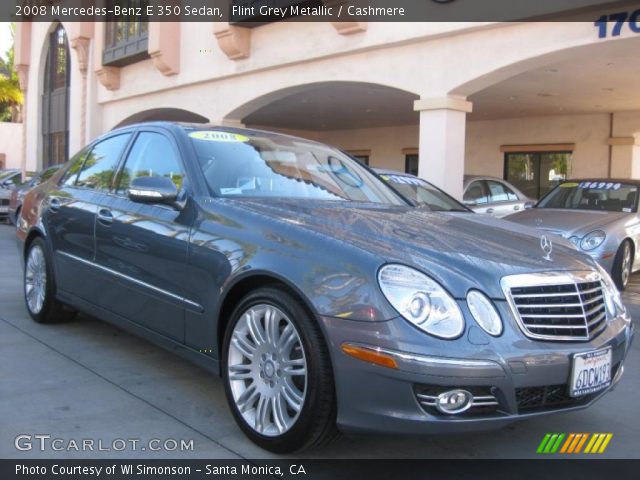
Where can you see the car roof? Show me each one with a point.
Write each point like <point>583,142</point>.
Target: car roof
<point>385,171</point>
<point>211,126</point>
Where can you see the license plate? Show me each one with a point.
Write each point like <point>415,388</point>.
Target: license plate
<point>591,372</point>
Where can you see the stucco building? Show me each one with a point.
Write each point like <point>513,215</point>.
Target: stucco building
<point>532,102</point>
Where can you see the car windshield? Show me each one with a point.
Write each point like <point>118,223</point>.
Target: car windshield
<point>263,165</point>
<point>422,193</point>
<point>593,195</point>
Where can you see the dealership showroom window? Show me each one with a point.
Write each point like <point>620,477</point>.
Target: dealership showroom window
<point>326,238</point>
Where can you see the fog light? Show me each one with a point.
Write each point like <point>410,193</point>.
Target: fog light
<point>454,401</point>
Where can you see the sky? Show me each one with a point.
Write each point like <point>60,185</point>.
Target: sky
<point>5,38</point>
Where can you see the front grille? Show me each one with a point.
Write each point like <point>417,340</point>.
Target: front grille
<point>558,306</point>
<point>4,202</point>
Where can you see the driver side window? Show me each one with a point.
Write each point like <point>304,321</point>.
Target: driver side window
<point>476,193</point>
<point>152,155</point>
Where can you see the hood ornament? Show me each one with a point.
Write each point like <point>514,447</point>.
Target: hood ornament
<point>547,247</point>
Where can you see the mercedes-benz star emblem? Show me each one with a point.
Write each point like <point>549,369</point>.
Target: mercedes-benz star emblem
<point>547,247</point>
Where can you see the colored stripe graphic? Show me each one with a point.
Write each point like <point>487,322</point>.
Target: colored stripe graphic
<point>573,443</point>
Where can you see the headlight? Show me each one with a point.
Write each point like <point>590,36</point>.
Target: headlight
<point>421,301</point>
<point>484,313</point>
<point>612,296</point>
<point>593,240</point>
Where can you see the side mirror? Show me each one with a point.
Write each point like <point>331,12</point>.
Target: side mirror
<point>529,205</point>
<point>153,190</point>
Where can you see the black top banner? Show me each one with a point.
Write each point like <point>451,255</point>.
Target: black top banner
<point>250,13</point>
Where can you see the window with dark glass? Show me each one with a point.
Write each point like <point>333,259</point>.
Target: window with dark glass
<point>536,173</point>
<point>476,193</point>
<point>152,155</point>
<point>126,36</point>
<point>100,165</point>
<point>55,99</point>
<point>499,192</point>
<point>411,164</point>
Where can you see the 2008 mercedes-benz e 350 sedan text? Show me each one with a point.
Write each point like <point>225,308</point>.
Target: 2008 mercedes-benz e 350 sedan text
<point>323,299</point>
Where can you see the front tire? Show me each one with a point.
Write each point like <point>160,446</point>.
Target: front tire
<point>622,265</point>
<point>39,286</point>
<point>277,373</point>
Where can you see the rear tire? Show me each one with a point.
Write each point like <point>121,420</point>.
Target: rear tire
<point>277,373</point>
<point>622,265</point>
<point>39,286</point>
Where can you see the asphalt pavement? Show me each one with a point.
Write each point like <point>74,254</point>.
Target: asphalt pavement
<point>88,381</point>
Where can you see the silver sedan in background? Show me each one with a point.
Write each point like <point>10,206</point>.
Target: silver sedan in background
<point>599,216</point>
<point>493,196</point>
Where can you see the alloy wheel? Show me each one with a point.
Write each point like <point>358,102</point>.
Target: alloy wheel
<point>35,279</point>
<point>267,370</point>
<point>626,264</point>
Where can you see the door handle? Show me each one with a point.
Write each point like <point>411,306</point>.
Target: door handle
<point>54,204</point>
<point>516,207</point>
<point>490,210</point>
<point>105,216</point>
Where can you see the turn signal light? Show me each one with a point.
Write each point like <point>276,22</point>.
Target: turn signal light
<point>369,355</point>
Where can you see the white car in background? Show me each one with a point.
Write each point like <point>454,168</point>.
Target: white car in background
<point>493,196</point>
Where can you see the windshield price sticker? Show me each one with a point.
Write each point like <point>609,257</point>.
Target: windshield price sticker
<point>402,179</point>
<point>217,136</point>
<point>601,185</point>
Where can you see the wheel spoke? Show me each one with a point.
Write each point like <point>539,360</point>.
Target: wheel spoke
<point>288,338</point>
<point>262,414</point>
<point>248,398</point>
<point>242,343</point>
<point>294,367</point>
<point>240,372</point>
<point>271,321</point>
<point>255,328</point>
<point>292,396</point>
<point>279,413</point>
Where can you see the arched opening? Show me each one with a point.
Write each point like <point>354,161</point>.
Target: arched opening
<point>374,122</point>
<point>55,99</point>
<point>163,114</point>
<point>567,114</point>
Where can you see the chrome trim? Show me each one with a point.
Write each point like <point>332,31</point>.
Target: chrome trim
<point>426,359</point>
<point>544,279</point>
<point>193,305</point>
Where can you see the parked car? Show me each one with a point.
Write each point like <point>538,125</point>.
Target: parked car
<point>323,299</point>
<point>599,216</point>
<point>19,190</point>
<point>493,196</point>
<point>9,177</point>
<point>420,192</point>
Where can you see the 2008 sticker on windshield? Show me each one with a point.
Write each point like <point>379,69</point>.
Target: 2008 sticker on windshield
<point>218,136</point>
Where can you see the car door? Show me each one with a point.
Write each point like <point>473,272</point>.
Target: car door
<point>69,214</point>
<point>502,199</point>
<point>142,248</point>
<point>476,197</point>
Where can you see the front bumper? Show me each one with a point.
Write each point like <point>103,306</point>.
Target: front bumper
<point>526,377</point>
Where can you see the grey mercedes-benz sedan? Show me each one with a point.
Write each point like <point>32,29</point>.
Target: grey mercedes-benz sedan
<point>323,298</point>
<point>599,216</point>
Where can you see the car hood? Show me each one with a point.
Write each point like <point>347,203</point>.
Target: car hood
<point>566,222</point>
<point>460,250</point>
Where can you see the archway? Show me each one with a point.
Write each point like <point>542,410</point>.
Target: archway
<point>374,122</point>
<point>163,114</point>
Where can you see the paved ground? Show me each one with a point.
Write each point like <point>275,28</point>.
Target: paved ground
<point>87,379</point>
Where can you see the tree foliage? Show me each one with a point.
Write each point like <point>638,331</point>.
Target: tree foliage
<point>11,96</point>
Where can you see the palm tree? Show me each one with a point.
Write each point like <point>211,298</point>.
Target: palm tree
<point>10,94</point>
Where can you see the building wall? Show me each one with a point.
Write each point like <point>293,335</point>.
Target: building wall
<point>11,144</point>
<point>589,133</point>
